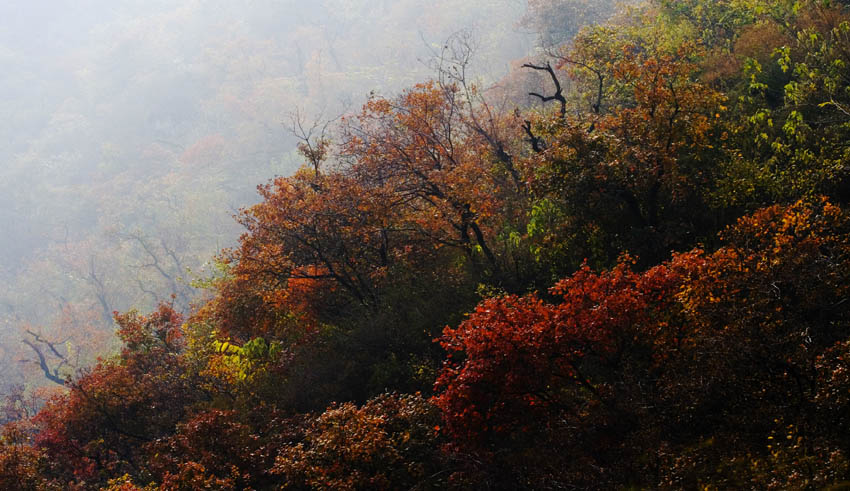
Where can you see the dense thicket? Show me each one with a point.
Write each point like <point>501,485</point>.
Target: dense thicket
<point>641,282</point>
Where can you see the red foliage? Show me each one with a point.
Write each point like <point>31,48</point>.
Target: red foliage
<point>160,331</point>
<point>20,463</point>
<point>705,345</point>
<point>518,356</point>
<point>215,448</point>
<point>98,429</point>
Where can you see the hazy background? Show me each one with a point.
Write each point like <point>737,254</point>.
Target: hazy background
<point>131,131</point>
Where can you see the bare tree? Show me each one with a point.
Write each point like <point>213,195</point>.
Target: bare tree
<point>165,260</point>
<point>452,65</point>
<point>50,358</point>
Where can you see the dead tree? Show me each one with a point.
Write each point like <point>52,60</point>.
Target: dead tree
<point>452,64</point>
<point>50,360</point>
<point>559,91</point>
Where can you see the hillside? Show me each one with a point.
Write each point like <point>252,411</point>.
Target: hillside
<point>637,278</point>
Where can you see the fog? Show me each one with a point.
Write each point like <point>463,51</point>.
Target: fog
<point>133,130</point>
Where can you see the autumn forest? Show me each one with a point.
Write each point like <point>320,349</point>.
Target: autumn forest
<point>620,262</point>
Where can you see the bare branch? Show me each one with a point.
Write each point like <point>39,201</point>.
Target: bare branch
<point>51,373</point>
<point>559,91</point>
<point>314,141</point>
<point>452,66</point>
<point>537,144</point>
<point>597,106</point>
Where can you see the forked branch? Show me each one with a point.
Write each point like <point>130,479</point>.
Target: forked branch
<point>559,91</point>
<point>37,344</point>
